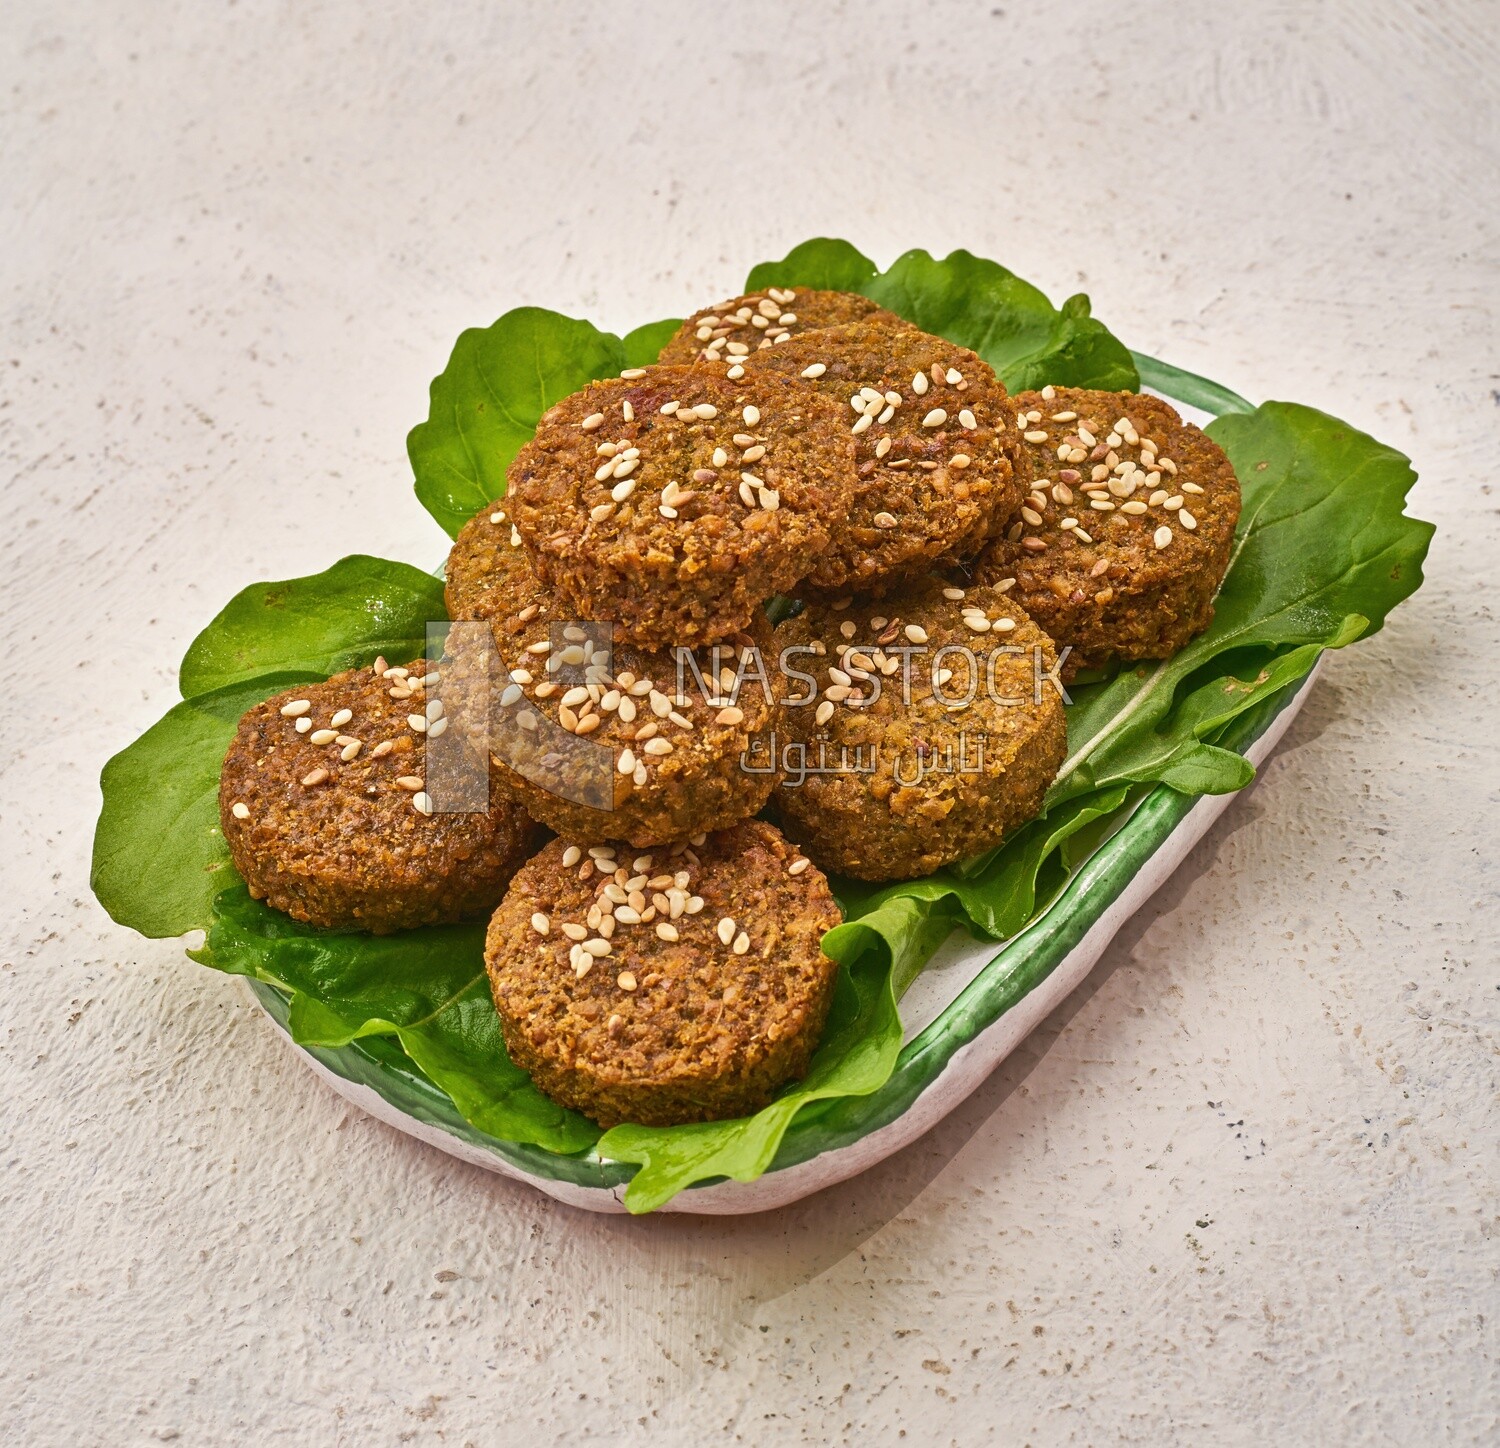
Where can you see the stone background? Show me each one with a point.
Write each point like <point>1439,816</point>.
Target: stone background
<point>1241,1188</point>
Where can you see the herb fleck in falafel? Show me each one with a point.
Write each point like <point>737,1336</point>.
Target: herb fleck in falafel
<point>675,985</point>
<point>327,816</point>
<point>596,738</point>
<point>1126,535</point>
<point>674,501</point>
<point>747,324</point>
<point>934,729</point>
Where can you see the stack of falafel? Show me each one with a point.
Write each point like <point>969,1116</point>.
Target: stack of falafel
<point>954,553</point>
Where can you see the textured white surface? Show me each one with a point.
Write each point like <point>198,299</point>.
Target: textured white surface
<point>1241,1186</point>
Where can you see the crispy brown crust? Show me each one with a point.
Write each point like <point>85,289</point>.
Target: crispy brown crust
<point>886,824</point>
<point>710,335</point>
<point>351,850</point>
<point>700,576</point>
<point>913,509</point>
<point>1117,595</point>
<point>704,1033</point>
<point>554,773</point>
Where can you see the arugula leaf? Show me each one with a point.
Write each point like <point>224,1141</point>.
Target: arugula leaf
<point>974,302</point>
<point>322,624</point>
<point>425,987</point>
<point>486,403</point>
<point>159,857</point>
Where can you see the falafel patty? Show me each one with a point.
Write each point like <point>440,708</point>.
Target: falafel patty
<point>596,738</point>
<point>932,734</point>
<point>673,501</point>
<point>1127,532</point>
<point>683,984</point>
<point>324,810</point>
<point>747,324</point>
<point>932,427</point>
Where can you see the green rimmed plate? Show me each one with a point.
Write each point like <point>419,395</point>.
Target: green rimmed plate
<point>968,1009</point>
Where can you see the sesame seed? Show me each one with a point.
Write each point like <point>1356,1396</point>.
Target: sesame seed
<point>824,712</point>
<point>1190,488</point>
<point>621,491</point>
<point>1134,507</point>
<point>1187,520</point>
<point>592,421</point>
<point>977,622</point>
<point>751,414</point>
<point>667,932</point>
<point>725,929</point>
<point>240,811</point>
<point>936,418</point>
<point>627,411</point>
<point>322,736</point>
<point>1083,537</point>
<point>735,373</point>
<point>1003,625</point>
<point>541,924</point>
<point>571,856</point>
<point>754,454</point>
<point>730,716</point>
<point>741,943</point>
<point>422,803</point>
<point>418,722</point>
<point>798,865</point>
<point>316,776</point>
<point>861,423</point>
<point>954,377</point>
<point>1101,567</point>
<point>412,782</point>
<point>967,420</point>
<point>706,411</point>
<point>919,384</point>
<point>885,520</point>
<point>916,633</point>
<point>1035,435</point>
<point>1162,536</point>
<point>349,751</point>
<point>626,763</point>
<point>296,709</point>
<point>816,370</point>
<point>625,980</point>
<point>631,373</point>
<point>1032,517</point>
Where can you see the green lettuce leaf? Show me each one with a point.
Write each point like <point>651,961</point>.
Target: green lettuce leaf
<point>643,346</point>
<point>486,403</point>
<point>159,857</point>
<point>974,302</point>
<point>425,987</point>
<point>824,264</point>
<point>325,623</point>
